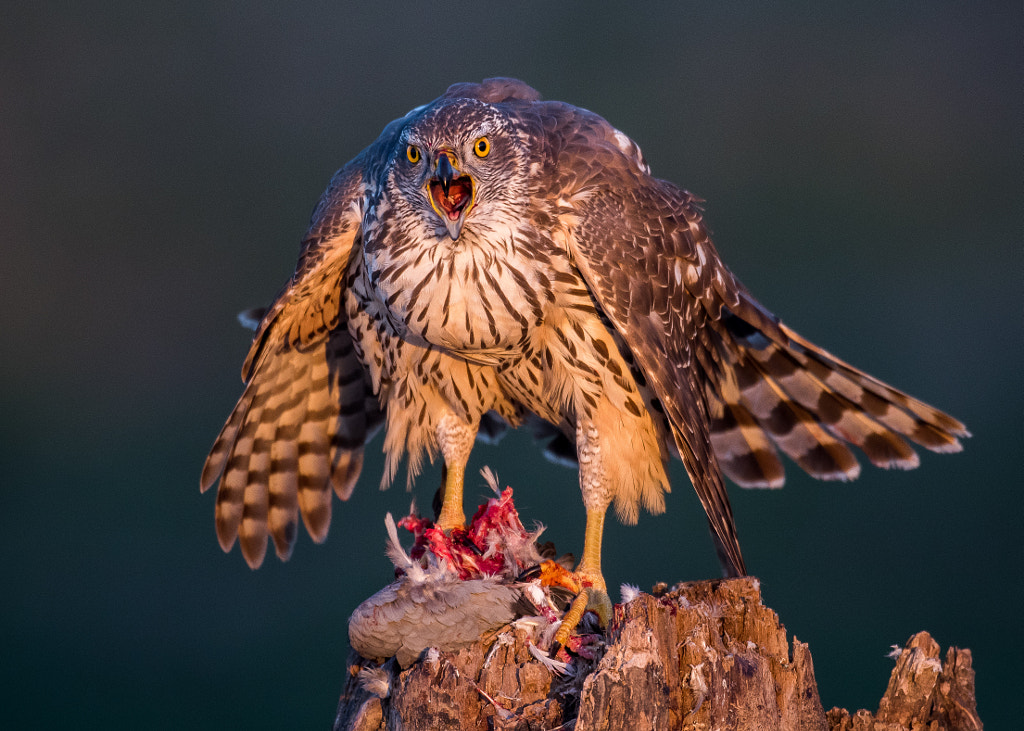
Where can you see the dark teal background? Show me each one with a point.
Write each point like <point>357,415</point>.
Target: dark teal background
<point>158,164</point>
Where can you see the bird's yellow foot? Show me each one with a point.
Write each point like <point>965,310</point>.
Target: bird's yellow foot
<point>451,515</point>
<point>452,525</point>
<point>591,595</point>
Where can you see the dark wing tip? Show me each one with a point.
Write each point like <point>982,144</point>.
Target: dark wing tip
<point>226,534</point>
<point>951,425</point>
<point>315,506</point>
<point>284,540</point>
<point>212,470</point>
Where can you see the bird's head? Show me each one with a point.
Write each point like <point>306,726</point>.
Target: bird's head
<point>457,162</point>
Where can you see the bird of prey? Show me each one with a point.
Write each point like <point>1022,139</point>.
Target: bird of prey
<point>495,258</point>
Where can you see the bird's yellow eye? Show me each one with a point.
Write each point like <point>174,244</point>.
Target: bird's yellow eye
<point>482,147</point>
<point>412,153</point>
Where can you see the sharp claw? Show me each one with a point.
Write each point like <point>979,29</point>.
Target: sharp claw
<point>556,647</point>
<point>530,574</point>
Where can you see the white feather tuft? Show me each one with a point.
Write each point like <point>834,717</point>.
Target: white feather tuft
<point>398,555</point>
<point>491,478</point>
<point>698,684</point>
<point>629,593</point>
<point>375,681</point>
<point>535,594</point>
<point>557,667</point>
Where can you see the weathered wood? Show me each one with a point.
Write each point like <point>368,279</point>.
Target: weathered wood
<point>705,655</point>
<point>923,693</point>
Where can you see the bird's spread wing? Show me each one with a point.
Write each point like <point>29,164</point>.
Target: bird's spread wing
<point>307,408</point>
<point>735,383</point>
<point>634,241</point>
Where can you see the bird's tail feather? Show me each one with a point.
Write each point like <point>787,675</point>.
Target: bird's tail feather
<point>785,393</point>
<point>298,429</point>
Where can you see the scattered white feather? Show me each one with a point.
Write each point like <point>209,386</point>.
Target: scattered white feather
<point>394,548</point>
<point>894,653</point>
<point>554,666</point>
<point>491,478</point>
<point>535,594</point>
<point>530,624</point>
<point>629,593</point>
<point>698,684</point>
<point>548,635</point>
<point>919,662</point>
<point>713,608</point>
<point>504,639</point>
<point>395,551</point>
<point>375,681</point>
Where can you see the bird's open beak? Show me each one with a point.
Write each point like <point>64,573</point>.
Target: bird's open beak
<point>450,193</point>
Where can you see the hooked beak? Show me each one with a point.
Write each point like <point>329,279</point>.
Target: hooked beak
<point>450,193</point>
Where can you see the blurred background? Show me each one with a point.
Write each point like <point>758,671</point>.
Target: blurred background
<point>158,164</point>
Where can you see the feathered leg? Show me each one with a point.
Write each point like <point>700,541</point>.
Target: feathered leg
<point>455,438</point>
<point>589,584</point>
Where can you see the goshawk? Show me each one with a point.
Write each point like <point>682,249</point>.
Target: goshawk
<point>492,257</point>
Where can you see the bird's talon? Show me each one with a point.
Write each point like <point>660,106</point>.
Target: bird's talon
<point>590,598</point>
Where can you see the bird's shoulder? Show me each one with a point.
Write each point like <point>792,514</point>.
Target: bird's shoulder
<point>493,91</point>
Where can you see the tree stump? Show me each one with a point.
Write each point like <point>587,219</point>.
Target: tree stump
<point>703,655</point>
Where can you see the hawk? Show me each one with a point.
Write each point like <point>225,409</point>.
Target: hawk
<point>493,258</point>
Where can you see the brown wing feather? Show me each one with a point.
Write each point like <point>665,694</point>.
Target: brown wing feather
<point>745,453</point>
<point>304,417</point>
<point>810,403</point>
<point>632,245</point>
<point>734,381</point>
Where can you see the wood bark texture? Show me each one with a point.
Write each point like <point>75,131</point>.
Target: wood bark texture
<point>703,655</point>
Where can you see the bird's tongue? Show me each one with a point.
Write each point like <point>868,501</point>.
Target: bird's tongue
<point>454,202</point>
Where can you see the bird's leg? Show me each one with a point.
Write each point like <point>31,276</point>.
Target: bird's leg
<point>452,514</point>
<point>455,438</point>
<point>593,592</point>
